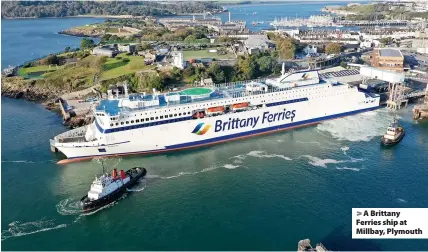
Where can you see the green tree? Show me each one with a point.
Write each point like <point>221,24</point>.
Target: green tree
<point>333,48</point>
<point>386,41</point>
<point>266,64</point>
<point>87,43</point>
<point>286,48</point>
<point>146,46</point>
<point>67,49</point>
<point>51,59</point>
<point>216,73</point>
<point>190,39</point>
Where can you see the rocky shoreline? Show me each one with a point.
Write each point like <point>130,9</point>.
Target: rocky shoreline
<point>18,88</point>
<point>83,32</point>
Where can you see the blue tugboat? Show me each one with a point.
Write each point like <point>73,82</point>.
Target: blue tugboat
<point>394,134</point>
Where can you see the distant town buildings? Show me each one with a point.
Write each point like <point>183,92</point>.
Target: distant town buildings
<point>214,23</point>
<point>421,45</point>
<point>388,59</point>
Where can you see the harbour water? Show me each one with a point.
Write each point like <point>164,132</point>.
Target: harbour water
<point>265,193</point>
<point>27,39</point>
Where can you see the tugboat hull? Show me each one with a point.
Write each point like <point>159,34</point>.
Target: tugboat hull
<point>389,142</point>
<point>92,205</point>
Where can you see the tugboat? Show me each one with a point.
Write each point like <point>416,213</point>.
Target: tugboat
<point>394,134</point>
<point>106,189</point>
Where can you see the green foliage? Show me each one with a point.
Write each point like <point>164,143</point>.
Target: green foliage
<point>67,49</point>
<point>87,43</point>
<point>333,48</point>
<point>146,46</point>
<point>51,59</point>
<point>150,81</point>
<point>266,64</point>
<point>286,48</point>
<point>343,64</point>
<point>386,41</point>
<point>73,8</point>
<point>216,73</point>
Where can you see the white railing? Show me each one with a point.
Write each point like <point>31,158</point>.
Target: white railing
<point>74,133</point>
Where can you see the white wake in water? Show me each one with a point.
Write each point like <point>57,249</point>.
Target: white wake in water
<point>230,166</point>
<point>315,161</point>
<point>69,206</point>
<point>139,187</point>
<point>322,162</point>
<point>16,228</point>
<point>344,149</point>
<point>264,154</point>
<point>348,168</point>
<point>361,127</point>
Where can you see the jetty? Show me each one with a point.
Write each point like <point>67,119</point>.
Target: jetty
<point>421,111</point>
<point>305,245</point>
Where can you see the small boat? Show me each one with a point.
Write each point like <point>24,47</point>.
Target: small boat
<point>394,134</point>
<point>106,189</point>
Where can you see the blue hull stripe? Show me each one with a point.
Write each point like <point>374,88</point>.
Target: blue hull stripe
<point>238,135</point>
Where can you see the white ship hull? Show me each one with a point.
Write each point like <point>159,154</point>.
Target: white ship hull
<point>185,134</point>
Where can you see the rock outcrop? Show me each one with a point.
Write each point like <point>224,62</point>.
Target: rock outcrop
<point>83,32</point>
<point>18,88</point>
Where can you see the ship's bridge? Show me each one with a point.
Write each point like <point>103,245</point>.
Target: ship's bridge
<point>295,79</point>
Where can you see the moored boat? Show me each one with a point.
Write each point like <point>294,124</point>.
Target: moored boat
<point>108,188</point>
<point>394,134</point>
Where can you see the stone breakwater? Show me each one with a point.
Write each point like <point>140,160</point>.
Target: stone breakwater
<point>18,88</point>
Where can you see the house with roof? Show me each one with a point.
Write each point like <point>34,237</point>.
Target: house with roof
<point>257,43</point>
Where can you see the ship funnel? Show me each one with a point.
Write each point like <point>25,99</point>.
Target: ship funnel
<point>114,173</point>
<point>122,174</point>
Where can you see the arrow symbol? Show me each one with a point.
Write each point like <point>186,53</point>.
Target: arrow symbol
<point>359,213</point>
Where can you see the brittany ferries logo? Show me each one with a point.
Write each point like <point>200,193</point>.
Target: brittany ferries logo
<point>201,129</point>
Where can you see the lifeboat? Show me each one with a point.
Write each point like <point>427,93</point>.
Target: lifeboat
<point>240,106</point>
<point>198,115</point>
<point>215,110</point>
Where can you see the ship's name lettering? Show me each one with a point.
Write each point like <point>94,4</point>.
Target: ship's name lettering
<point>236,123</point>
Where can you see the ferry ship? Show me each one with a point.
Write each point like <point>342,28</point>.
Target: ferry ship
<point>158,123</point>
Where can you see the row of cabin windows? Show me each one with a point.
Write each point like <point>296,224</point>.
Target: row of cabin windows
<point>152,118</point>
<point>179,119</point>
<point>204,105</point>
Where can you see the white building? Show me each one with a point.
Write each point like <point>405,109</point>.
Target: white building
<point>310,49</point>
<point>178,60</point>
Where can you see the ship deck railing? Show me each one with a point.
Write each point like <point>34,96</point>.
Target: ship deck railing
<point>221,92</point>
<point>74,135</point>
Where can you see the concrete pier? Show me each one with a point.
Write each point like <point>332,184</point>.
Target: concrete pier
<point>421,111</point>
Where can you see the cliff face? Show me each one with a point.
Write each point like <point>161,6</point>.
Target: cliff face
<point>17,87</point>
<point>83,32</point>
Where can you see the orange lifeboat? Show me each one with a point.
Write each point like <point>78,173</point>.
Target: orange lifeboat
<point>219,109</point>
<point>239,106</point>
